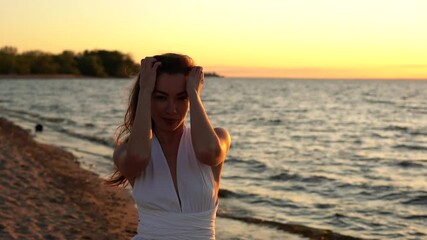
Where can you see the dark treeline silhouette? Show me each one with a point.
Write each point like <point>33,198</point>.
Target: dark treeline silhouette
<point>96,63</point>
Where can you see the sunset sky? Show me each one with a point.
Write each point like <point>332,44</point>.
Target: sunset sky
<point>236,38</point>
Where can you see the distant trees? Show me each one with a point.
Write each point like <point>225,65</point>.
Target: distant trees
<point>96,63</point>
<point>67,63</point>
<point>213,74</point>
<point>8,59</point>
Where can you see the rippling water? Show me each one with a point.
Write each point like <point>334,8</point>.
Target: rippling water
<point>349,156</point>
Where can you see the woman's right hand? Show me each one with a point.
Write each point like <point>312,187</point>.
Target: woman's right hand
<point>148,74</point>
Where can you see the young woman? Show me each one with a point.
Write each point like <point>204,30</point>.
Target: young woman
<point>174,171</point>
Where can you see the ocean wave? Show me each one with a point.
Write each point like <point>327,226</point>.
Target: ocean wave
<point>256,166</point>
<point>324,206</point>
<point>378,188</point>
<point>38,118</point>
<point>358,157</point>
<point>305,231</point>
<point>302,110</point>
<point>377,135</point>
<point>420,199</point>
<point>102,141</point>
<point>407,130</point>
<point>396,128</point>
<point>108,157</point>
<point>51,122</point>
<point>256,199</point>
<point>285,177</point>
<point>419,132</point>
<point>416,217</point>
<point>410,147</point>
<point>378,101</point>
<point>366,189</point>
<point>225,193</point>
<point>409,164</point>
<point>393,196</point>
<point>281,203</point>
<point>297,177</point>
<point>273,121</point>
<point>91,125</point>
<point>252,164</point>
<point>416,108</point>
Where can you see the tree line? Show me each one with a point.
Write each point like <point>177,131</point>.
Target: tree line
<point>95,63</point>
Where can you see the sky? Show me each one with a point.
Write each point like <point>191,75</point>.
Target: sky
<point>236,38</point>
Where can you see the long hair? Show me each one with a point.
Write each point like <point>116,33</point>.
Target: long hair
<point>172,63</point>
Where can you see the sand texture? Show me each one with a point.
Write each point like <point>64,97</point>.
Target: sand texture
<point>44,194</point>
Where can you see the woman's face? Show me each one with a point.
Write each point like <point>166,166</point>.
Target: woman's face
<point>169,103</point>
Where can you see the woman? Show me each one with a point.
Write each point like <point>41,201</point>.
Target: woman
<point>174,171</point>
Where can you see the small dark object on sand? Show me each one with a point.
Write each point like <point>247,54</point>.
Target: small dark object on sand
<point>39,128</point>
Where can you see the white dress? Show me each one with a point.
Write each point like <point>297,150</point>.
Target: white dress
<point>166,214</point>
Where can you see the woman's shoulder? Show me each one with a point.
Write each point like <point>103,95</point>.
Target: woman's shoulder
<point>222,131</point>
<point>223,135</point>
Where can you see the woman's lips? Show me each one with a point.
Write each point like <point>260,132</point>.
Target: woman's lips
<point>170,120</point>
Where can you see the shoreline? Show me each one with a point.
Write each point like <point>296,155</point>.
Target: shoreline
<point>47,195</point>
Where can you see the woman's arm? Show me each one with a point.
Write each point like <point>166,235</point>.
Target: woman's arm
<point>133,156</point>
<point>210,145</point>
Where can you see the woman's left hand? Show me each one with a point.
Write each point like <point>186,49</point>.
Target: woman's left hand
<point>195,80</point>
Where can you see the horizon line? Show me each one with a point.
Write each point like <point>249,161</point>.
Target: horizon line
<point>63,76</point>
<point>331,78</point>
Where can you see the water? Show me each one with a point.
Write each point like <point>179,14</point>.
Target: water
<point>349,156</point>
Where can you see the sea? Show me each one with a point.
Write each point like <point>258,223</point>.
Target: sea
<point>347,156</point>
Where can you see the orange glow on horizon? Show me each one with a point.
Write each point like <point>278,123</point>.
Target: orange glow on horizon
<point>388,72</point>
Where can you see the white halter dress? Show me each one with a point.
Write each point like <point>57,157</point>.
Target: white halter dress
<point>166,214</point>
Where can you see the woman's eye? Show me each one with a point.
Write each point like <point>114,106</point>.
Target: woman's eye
<point>159,97</point>
<point>183,98</point>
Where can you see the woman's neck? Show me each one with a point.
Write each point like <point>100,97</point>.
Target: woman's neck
<point>167,138</point>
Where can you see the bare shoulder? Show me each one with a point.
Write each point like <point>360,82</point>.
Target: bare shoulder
<point>224,136</point>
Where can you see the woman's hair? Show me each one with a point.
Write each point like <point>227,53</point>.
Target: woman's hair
<point>172,63</point>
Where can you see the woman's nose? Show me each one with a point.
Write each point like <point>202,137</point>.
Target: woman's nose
<point>172,107</point>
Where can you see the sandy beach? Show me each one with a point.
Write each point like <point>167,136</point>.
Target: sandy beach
<point>44,194</point>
